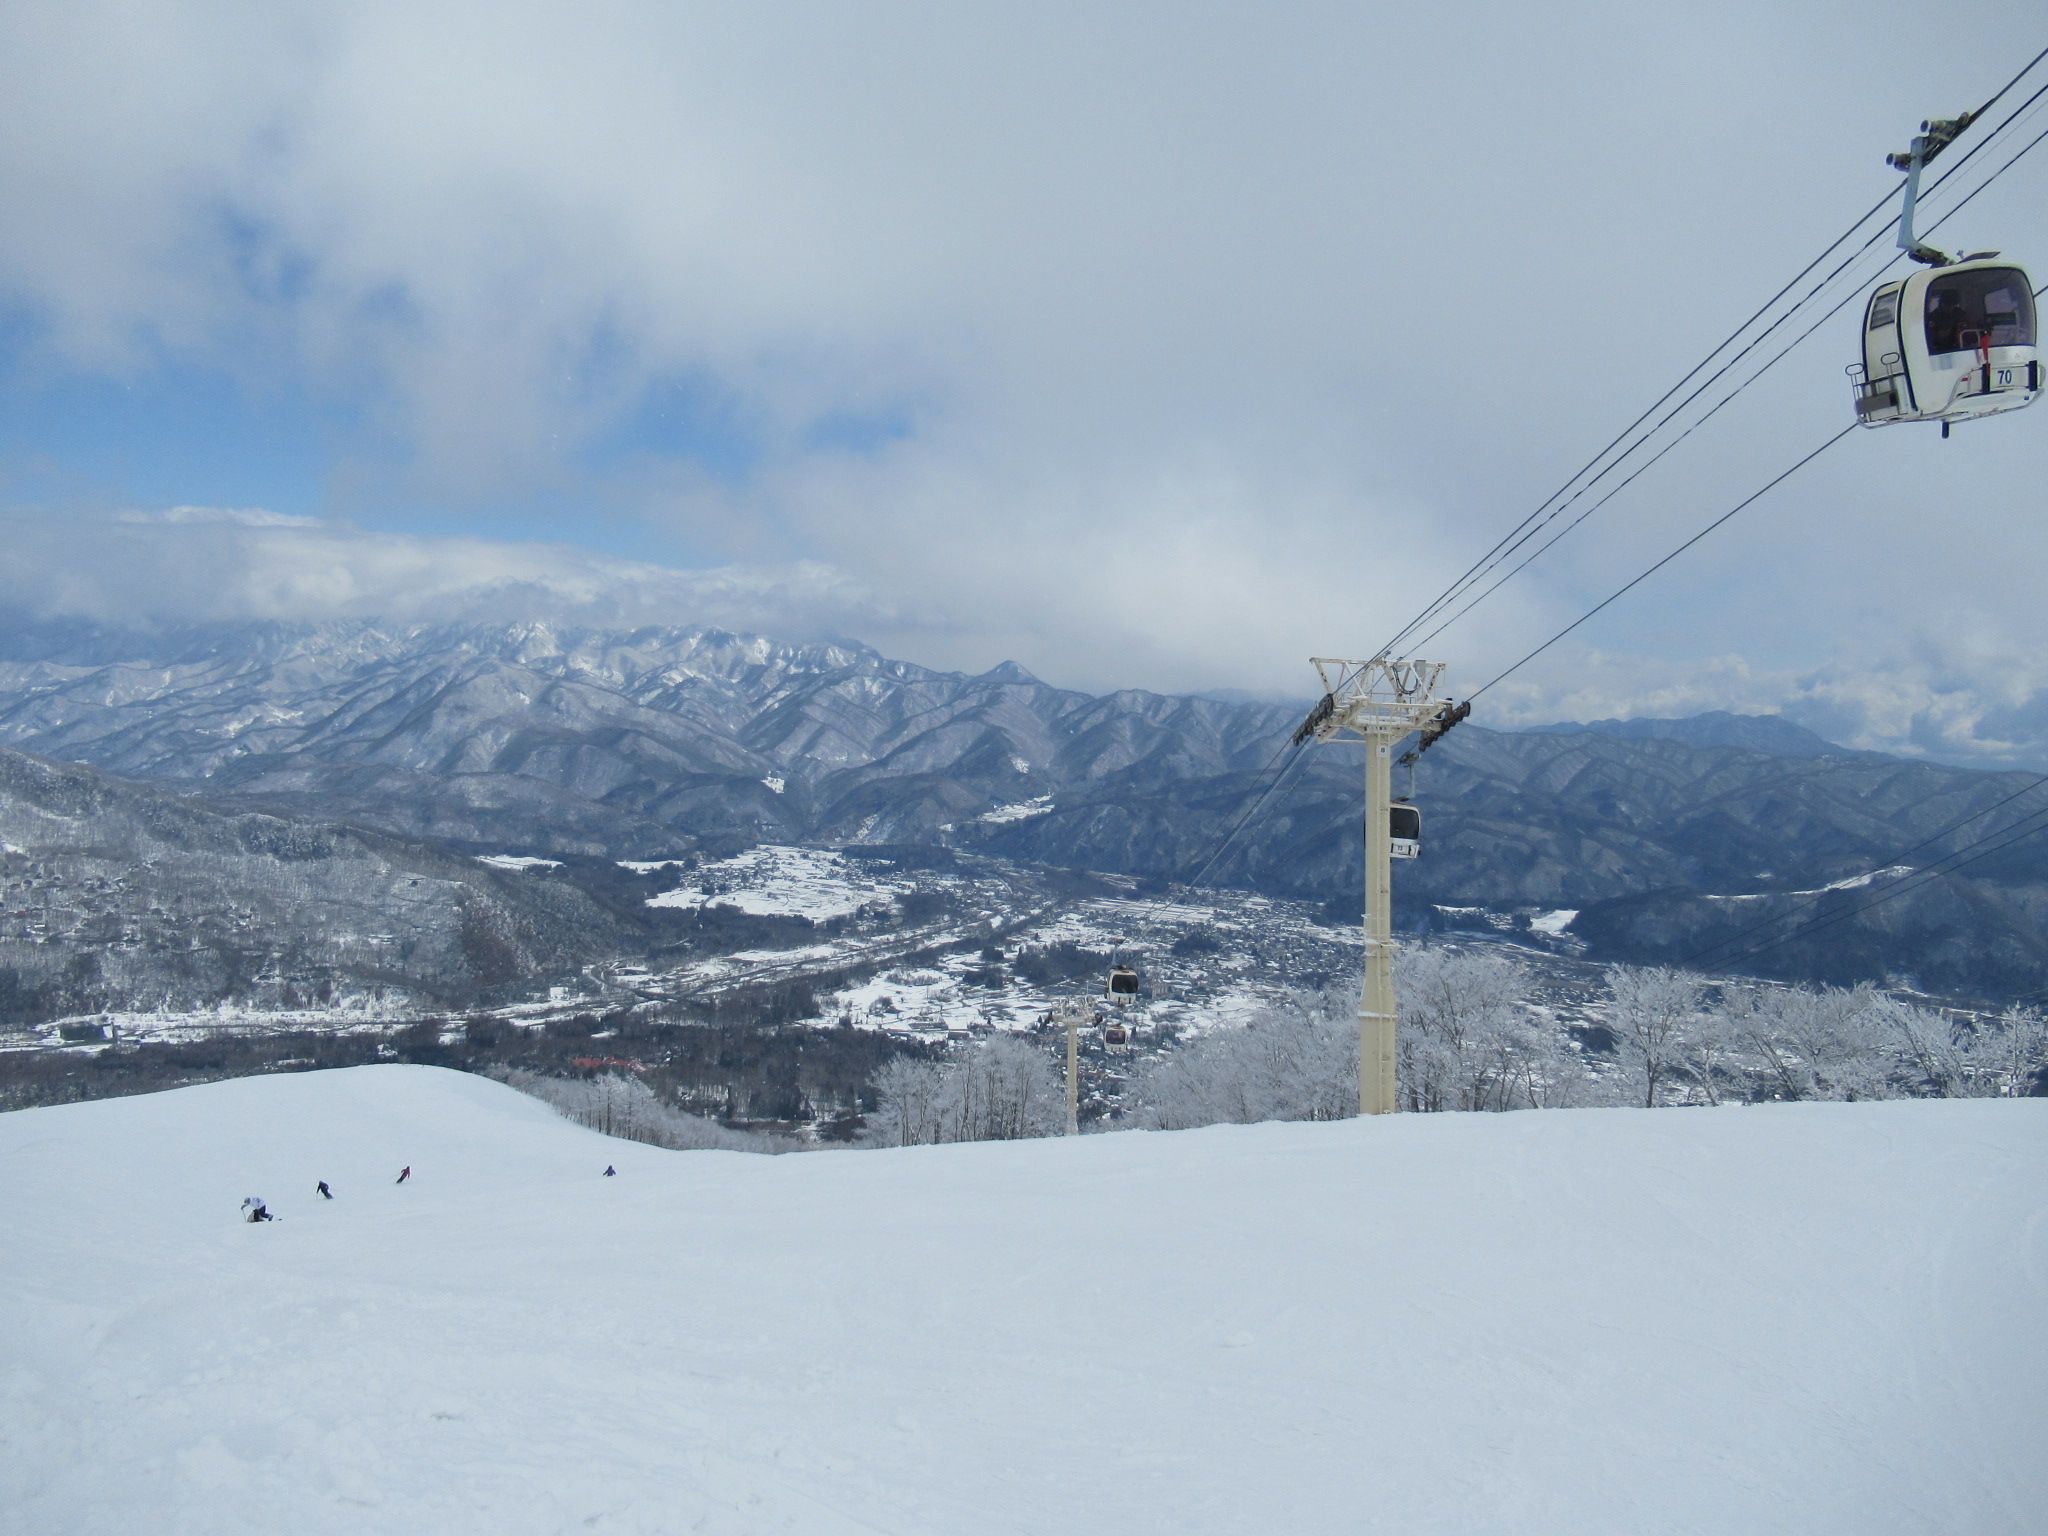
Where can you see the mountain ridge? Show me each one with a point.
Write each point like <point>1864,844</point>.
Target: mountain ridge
<point>1772,735</point>
<point>580,741</point>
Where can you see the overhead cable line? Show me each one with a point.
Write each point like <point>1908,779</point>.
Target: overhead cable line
<point>1251,813</point>
<point>1779,356</point>
<point>1939,869</point>
<point>1290,751</point>
<point>1522,531</point>
<point>1891,861</point>
<point>1496,557</point>
<point>1194,883</point>
<point>1548,510</point>
<point>1756,495</point>
<point>1508,540</point>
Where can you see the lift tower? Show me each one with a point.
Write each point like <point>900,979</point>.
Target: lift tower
<point>1381,701</point>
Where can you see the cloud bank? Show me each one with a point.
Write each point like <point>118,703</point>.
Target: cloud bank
<point>1142,344</point>
<point>200,565</point>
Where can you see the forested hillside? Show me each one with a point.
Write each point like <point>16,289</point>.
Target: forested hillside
<point>1667,838</point>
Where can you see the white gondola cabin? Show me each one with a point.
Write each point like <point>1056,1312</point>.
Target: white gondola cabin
<point>1123,984</point>
<point>1404,830</point>
<point>1948,344</point>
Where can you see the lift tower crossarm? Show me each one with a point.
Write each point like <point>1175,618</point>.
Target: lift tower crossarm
<point>1382,701</point>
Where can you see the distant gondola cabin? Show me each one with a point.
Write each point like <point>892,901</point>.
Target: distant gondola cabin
<point>1404,830</point>
<point>1123,983</point>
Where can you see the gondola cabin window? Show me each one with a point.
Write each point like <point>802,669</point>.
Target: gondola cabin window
<point>1977,308</point>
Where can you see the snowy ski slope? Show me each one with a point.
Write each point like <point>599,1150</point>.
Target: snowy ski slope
<point>1811,1318</point>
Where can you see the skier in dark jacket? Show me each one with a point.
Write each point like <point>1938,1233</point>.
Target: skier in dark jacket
<point>405,1173</point>
<point>610,1172</point>
<point>325,1192</point>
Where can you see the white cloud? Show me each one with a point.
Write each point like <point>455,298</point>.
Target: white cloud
<point>245,517</point>
<point>1208,340</point>
<point>1924,701</point>
<point>246,565</point>
<point>1954,703</point>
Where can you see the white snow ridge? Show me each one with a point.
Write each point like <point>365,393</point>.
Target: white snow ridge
<point>1018,810</point>
<point>1819,1318</point>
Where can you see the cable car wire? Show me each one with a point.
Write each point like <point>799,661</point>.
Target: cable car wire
<point>1524,530</point>
<point>1939,869</point>
<point>1243,821</point>
<point>1854,293</point>
<point>1537,520</point>
<point>1509,541</point>
<point>1897,887</point>
<point>1494,559</point>
<point>1754,496</point>
<point>1518,536</point>
<point>1148,920</point>
<point>1285,759</point>
<point>1295,745</point>
<point>1891,861</point>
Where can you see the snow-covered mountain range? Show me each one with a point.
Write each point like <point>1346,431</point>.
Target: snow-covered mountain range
<point>651,742</point>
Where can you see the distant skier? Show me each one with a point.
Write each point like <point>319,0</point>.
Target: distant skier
<point>325,1192</point>
<point>253,1209</point>
<point>610,1172</point>
<point>405,1173</point>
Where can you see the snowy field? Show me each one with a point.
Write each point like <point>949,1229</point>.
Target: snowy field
<point>776,881</point>
<point>352,1014</point>
<point>1812,1318</point>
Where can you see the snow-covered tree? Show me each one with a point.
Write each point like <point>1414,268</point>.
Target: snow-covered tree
<point>909,1097</point>
<point>1820,1043</point>
<point>1465,1041</point>
<point>1004,1090</point>
<point>624,1106</point>
<point>1979,1058</point>
<point>1295,1062</point>
<point>1001,1090</point>
<point>1652,1008</point>
<point>1704,1048</point>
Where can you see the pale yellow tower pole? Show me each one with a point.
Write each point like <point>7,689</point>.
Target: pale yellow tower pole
<point>1070,1012</point>
<point>1376,1002</point>
<point>1381,701</point>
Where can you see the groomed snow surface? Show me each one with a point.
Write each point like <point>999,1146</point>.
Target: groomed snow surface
<point>1810,1318</point>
